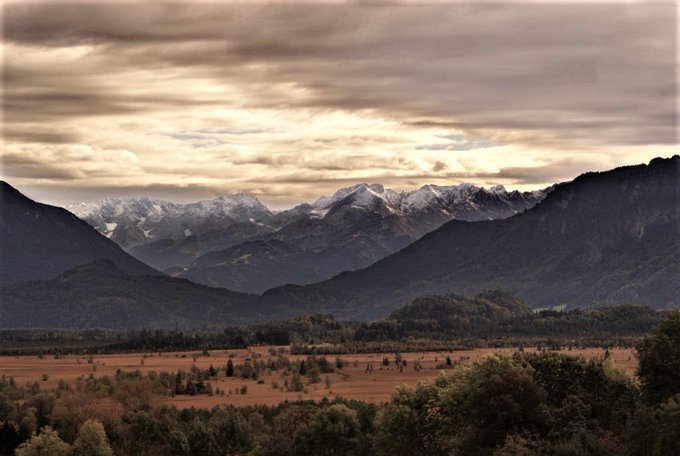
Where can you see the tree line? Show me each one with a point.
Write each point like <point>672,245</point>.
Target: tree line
<point>438,322</point>
<point>526,404</point>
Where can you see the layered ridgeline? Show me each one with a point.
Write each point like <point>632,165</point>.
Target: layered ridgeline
<point>610,237</point>
<point>236,242</point>
<point>57,271</point>
<point>165,234</point>
<point>38,241</point>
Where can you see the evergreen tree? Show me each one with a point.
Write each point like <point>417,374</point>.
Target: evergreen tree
<point>296,383</point>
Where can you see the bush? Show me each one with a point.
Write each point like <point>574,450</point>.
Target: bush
<point>659,366</point>
<point>92,440</point>
<point>47,443</point>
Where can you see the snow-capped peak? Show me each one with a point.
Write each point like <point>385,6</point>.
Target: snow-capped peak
<point>142,220</point>
<point>363,193</point>
<point>137,221</point>
<point>241,199</point>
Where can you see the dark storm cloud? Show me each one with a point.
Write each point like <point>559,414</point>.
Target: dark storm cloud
<point>27,134</point>
<point>69,195</point>
<point>290,100</point>
<point>14,165</point>
<point>439,166</point>
<point>560,171</point>
<point>603,73</point>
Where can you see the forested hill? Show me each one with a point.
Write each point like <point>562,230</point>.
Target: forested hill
<point>494,314</point>
<point>609,237</point>
<point>489,304</point>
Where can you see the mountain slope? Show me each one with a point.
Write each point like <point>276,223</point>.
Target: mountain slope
<point>349,230</point>
<point>604,237</point>
<point>255,265</point>
<point>141,221</point>
<point>101,295</point>
<point>38,241</point>
<point>437,315</point>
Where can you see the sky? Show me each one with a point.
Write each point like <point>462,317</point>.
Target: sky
<point>187,101</point>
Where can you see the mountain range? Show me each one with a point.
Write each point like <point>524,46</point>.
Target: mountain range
<point>609,237</point>
<point>140,221</point>
<point>603,238</point>
<point>236,242</point>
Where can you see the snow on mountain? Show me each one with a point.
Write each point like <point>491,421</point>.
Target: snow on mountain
<point>137,221</point>
<point>449,199</point>
<point>348,230</point>
<point>353,227</point>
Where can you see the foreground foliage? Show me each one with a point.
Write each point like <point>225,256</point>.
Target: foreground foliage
<point>526,404</point>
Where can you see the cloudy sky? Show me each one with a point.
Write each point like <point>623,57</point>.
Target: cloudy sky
<point>186,101</point>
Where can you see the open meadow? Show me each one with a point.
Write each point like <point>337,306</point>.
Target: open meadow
<point>364,376</point>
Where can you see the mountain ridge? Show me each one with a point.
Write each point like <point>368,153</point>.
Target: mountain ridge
<point>604,238</point>
<point>530,253</point>
<point>348,230</point>
<point>39,241</point>
<point>99,294</point>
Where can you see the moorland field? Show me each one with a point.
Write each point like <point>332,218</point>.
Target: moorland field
<point>363,376</point>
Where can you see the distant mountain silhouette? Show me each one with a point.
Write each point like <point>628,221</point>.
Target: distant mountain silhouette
<point>38,241</point>
<point>610,237</point>
<point>237,243</point>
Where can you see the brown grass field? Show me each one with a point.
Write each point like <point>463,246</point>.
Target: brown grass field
<point>352,382</point>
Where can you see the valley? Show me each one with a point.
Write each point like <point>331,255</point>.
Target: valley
<point>352,381</point>
<point>339,229</point>
<point>562,317</point>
